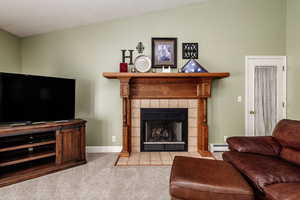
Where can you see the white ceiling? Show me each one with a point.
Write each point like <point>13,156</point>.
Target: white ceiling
<point>31,17</point>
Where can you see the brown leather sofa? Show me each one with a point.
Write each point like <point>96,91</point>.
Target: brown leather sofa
<point>271,164</point>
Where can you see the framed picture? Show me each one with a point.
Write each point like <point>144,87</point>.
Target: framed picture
<point>164,52</point>
<point>189,50</point>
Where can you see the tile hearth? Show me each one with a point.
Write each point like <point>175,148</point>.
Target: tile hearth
<point>154,158</point>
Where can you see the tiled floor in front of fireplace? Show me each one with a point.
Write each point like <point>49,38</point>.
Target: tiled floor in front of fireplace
<point>154,158</point>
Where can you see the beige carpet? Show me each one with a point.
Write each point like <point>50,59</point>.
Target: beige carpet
<point>97,180</point>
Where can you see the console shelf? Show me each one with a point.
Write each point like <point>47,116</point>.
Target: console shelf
<point>27,158</point>
<point>25,146</point>
<point>30,151</point>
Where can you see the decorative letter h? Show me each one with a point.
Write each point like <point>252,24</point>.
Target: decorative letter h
<point>130,56</point>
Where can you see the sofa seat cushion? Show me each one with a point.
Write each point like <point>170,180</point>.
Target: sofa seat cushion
<point>263,170</point>
<point>283,191</point>
<point>290,155</point>
<point>203,179</point>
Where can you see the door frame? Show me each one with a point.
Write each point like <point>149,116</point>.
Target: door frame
<point>284,80</point>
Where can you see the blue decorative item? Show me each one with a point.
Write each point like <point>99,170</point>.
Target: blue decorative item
<point>192,66</point>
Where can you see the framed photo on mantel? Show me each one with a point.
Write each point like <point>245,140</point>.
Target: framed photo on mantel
<point>164,52</point>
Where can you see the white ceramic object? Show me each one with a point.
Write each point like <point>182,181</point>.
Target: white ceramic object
<point>142,63</point>
<point>166,70</point>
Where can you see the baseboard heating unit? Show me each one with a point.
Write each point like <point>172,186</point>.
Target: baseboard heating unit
<point>218,147</point>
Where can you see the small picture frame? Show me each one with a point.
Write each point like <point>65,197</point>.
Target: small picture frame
<point>190,50</point>
<point>164,52</point>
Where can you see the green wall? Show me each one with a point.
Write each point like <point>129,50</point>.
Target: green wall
<point>227,31</point>
<point>10,55</point>
<point>293,53</point>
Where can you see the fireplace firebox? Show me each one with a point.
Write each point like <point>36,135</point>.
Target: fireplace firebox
<point>164,129</point>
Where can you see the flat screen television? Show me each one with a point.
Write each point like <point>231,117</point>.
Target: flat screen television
<point>28,99</point>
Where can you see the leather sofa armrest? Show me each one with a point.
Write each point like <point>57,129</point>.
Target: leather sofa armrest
<point>265,145</point>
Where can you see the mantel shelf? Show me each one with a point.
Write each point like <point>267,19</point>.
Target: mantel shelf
<point>118,75</point>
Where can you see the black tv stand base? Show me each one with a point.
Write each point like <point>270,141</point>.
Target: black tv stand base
<point>20,124</point>
<point>61,121</point>
<point>26,124</point>
<point>37,123</point>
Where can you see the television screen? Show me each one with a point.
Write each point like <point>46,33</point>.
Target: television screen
<point>27,98</point>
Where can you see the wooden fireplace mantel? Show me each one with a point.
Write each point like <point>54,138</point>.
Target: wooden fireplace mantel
<point>165,86</point>
<point>117,75</point>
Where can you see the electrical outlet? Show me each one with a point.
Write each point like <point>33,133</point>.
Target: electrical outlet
<point>225,138</point>
<point>239,99</point>
<point>113,138</point>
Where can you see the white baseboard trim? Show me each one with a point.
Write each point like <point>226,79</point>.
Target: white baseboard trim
<point>218,147</point>
<point>103,149</point>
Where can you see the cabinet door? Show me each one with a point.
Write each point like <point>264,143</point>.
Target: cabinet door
<point>71,144</point>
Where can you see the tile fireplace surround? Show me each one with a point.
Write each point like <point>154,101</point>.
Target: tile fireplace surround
<point>165,90</point>
<point>190,104</point>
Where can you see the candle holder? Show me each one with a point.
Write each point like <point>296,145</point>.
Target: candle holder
<point>123,67</point>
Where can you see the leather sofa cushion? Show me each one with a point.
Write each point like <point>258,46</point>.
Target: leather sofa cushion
<point>290,155</point>
<point>203,179</point>
<point>287,133</point>
<point>261,145</point>
<point>263,170</point>
<point>283,191</point>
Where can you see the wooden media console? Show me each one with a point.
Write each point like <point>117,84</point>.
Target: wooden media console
<point>34,150</point>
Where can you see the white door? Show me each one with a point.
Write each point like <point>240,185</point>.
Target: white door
<point>265,97</point>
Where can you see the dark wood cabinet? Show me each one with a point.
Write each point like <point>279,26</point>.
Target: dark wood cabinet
<point>30,151</point>
<point>71,145</point>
